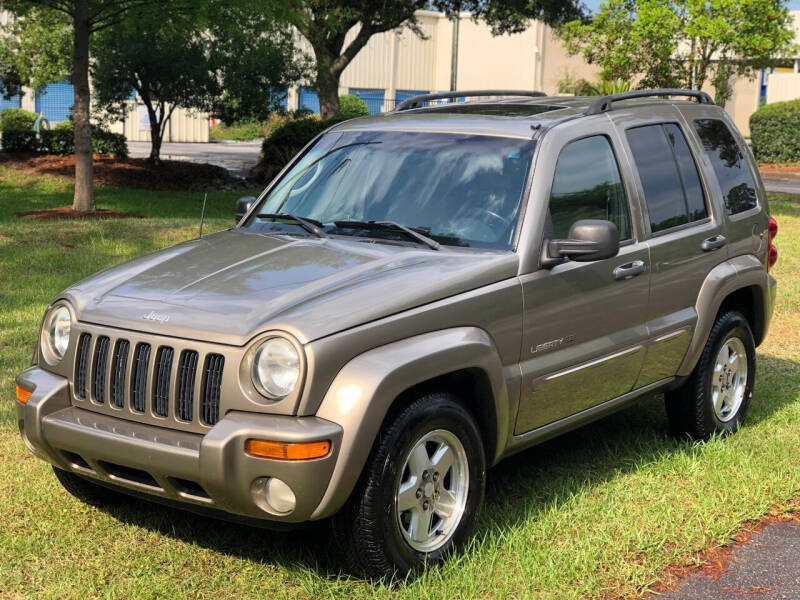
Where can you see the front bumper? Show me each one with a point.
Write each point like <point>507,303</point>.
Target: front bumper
<point>210,470</point>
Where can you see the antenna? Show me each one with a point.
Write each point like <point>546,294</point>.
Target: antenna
<point>202,215</point>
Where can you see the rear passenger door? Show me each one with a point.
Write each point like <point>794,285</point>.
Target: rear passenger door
<point>686,233</point>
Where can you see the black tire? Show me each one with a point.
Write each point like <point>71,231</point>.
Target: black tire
<point>367,529</point>
<point>86,491</point>
<point>690,407</point>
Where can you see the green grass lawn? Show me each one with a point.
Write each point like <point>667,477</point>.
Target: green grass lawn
<point>600,511</point>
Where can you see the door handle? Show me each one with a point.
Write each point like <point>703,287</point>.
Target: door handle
<point>629,270</point>
<point>713,243</point>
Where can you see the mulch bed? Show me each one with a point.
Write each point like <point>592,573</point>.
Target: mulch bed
<point>780,170</point>
<point>135,173</point>
<point>66,212</point>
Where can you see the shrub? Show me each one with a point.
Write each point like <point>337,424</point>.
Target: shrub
<point>17,119</point>
<point>351,106</point>
<point>61,140</point>
<point>289,134</point>
<point>774,132</point>
<point>242,132</point>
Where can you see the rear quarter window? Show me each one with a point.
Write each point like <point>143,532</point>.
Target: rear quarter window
<point>729,163</point>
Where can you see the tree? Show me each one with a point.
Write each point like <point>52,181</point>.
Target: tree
<point>683,43</point>
<point>163,56</point>
<point>256,57</point>
<point>86,17</point>
<point>325,24</point>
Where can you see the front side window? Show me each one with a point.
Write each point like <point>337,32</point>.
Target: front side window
<point>461,190</point>
<point>670,181</point>
<point>730,165</point>
<point>587,185</point>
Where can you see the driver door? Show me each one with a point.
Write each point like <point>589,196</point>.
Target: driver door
<point>583,322</point>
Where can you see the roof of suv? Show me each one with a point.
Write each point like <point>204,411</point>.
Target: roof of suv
<point>512,116</point>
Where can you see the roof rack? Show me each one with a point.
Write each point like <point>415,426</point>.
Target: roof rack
<point>604,104</point>
<point>417,101</point>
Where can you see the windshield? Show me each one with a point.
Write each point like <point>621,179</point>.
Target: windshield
<point>459,190</point>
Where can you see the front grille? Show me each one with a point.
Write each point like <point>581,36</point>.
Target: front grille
<point>162,381</point>
<point>82,365</point>
<point>184,403</point>
<point>212,382</point>
<point>99,368</point>
<point>141,364</point>
<point>120,374</point>
<point>119,369</point>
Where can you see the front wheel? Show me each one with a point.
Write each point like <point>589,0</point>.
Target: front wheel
<point>716,396</point>
<point>420,493</point>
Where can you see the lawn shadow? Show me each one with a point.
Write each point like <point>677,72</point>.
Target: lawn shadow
<point>517,489</point>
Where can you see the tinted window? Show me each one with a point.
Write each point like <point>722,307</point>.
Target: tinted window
<point>587,185</point>
<point>658,172</point>
<point>730,166</point>
<point>692,189</point>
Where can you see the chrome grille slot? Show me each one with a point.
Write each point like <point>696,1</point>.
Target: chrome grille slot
<point>161,383</point>
<point>212,382</point>
<point>187,371</point>
<point>82,365</point>
<point>100,368</point>
<point>119,370</point>
<point>141,363</point>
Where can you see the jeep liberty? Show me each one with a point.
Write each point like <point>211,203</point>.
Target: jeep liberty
<point>416,296</point>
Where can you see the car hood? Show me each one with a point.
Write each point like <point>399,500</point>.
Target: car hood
<point>234,285</point>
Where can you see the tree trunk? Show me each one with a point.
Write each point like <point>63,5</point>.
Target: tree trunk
<point>327,86</point>
<point>84,167</point>
<point>156,134</point>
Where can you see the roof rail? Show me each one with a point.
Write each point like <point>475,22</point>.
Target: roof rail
<point>604,103</point>
<point>417,101</point>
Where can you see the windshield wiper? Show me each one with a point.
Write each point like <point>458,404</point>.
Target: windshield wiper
<point>419,237</point>
<point>310,225</point>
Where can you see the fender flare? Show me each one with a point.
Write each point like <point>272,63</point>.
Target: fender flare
<point>364,390</point>
<point>724,279</point>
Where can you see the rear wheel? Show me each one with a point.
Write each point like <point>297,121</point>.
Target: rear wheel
<point>716,396</point>
<point>86,491</point>
<point>420,493</point>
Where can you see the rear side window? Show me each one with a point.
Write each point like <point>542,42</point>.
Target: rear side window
<point>730,165</point>
<point>669,176</point>
<point>587,185</point>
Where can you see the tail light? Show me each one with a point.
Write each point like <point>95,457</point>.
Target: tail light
<point>772,255</point>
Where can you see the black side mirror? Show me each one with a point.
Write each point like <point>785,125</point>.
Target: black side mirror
<point>589,239</point>
<point>243,204</point>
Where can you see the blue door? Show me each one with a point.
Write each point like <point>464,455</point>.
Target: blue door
<point>14,102</point>
<point>372,98</point>
<point>308,99</point>
<point>55,101</point>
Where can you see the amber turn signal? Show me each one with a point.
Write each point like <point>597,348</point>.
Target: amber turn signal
<point>287,450</point>
<point>23,394</point>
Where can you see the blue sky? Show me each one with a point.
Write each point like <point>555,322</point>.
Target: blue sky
<point>593,4</point>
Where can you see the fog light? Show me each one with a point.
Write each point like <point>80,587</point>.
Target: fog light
<point>23,395</point>
<point>275,493</point>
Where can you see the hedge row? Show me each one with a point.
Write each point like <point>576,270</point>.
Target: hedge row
<point>61,140</point>
<point>775,132</point>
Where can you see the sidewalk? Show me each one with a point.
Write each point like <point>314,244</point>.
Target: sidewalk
<point>236,157</point>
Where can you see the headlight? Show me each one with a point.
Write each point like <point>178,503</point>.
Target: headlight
<point>57,328</point>
<point>276,368</point>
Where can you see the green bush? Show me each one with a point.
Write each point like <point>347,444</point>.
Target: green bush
<point>61,140</point>
<point>22,141</point>
<point>774,131</point>
<point>351,106</point>
<point>241,132</point>
<point>289,134</point>
<point>17,119</point>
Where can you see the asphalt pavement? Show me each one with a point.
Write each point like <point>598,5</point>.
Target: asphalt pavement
<point>237,157</point>
<point>788,186</point>
<point>767,568</point>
